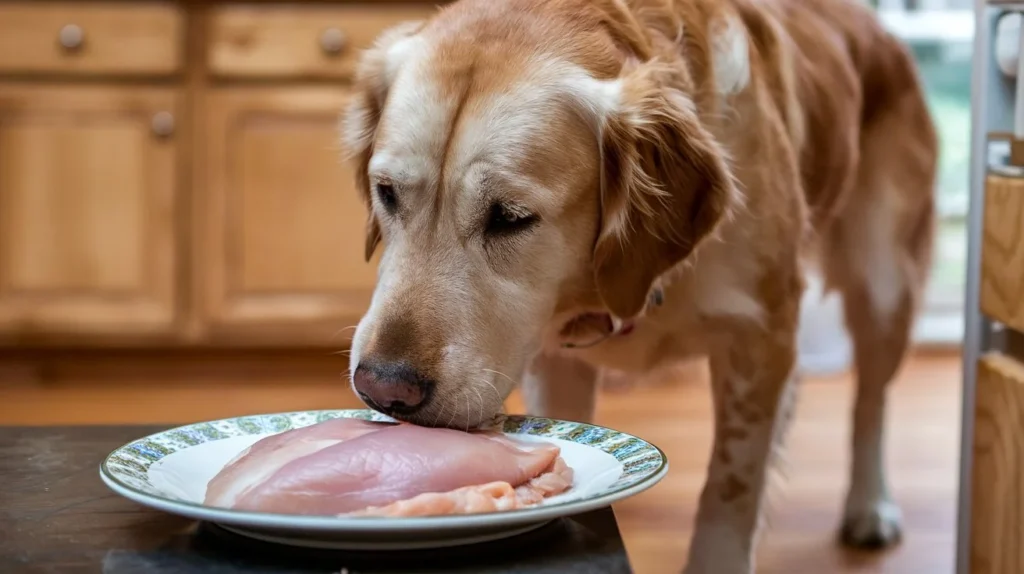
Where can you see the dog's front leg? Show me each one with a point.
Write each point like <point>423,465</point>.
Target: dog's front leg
<point>752,380</point>
<point>561,387</point>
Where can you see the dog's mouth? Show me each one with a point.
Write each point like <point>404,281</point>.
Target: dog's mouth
<point>591,328</point>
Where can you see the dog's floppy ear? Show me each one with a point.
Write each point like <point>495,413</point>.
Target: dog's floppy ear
<point>374,75</point>
<point>665,186</point>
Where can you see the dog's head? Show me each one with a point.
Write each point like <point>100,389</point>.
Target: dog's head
<point>522,166</point>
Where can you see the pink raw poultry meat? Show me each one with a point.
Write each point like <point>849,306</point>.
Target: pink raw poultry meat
<point>360,467</point>
<point>490,497</point>
<point>261,460</point>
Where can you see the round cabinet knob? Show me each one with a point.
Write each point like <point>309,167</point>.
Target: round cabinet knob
<point>163,124</point>
<point>332,41</point>
<point>71,37</point>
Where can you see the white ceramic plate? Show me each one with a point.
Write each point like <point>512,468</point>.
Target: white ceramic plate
<point>169,471</point>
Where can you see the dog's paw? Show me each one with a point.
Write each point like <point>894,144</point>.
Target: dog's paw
<point>877,526</point>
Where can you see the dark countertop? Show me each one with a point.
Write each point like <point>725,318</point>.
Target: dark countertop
<point>56,515</point>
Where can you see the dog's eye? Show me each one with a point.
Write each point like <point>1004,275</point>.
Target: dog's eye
<point>506,219</point>
<point>386,194</point>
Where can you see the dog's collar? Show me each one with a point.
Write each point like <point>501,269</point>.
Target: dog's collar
<point>619,327</point>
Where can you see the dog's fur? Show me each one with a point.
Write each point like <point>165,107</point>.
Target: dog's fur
<point>707,150</point>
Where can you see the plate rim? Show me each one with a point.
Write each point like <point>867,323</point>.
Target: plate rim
<point>268,520</point>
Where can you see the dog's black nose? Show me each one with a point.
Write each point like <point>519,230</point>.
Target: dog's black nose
<point>392,388</point>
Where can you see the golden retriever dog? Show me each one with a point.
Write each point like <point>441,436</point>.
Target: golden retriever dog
<point>564,186</point>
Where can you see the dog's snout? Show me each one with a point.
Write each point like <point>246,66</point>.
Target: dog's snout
<point>392,388</point>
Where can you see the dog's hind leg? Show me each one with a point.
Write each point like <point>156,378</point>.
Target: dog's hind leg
<point>878,255</point>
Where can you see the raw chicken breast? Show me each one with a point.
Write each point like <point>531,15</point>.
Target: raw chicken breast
<point>357,466</point>
<point>491,497</point>
<point>261,460</point>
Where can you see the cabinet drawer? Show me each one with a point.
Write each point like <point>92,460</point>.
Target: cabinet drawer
<point>1002,251</point>
<point>278,41</point>
<point>106,38</point>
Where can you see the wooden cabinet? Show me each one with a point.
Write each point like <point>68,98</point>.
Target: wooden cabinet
<point>279,252</point>
<point>996,474</point>
<point>171,171</point>
<point>997,516</point>
<point>1002,251</point>
<point>142,39</point>
<point>87,197</point>
<point>288,42</point>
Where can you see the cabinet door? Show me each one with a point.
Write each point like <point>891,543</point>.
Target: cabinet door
<point>997,498</point>
<point>87,186</point>
<point>282,245</point>
<point>997,472</point>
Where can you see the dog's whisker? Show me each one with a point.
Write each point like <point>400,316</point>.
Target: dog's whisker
<point>497,395</point>
<point>494,389</point>
<point>455,411</point>
<point>437,415</point>
<point>480,402</point>
<point>508,378</point>
<point>342,330</point>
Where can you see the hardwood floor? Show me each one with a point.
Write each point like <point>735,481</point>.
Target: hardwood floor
<point>805,495</point>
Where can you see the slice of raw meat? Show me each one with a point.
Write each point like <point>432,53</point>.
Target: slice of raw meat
<point>556,480</point>
<point>394,464</point>
<point>349,467</point>
<point>490,497</point>
<point>266,456</point>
